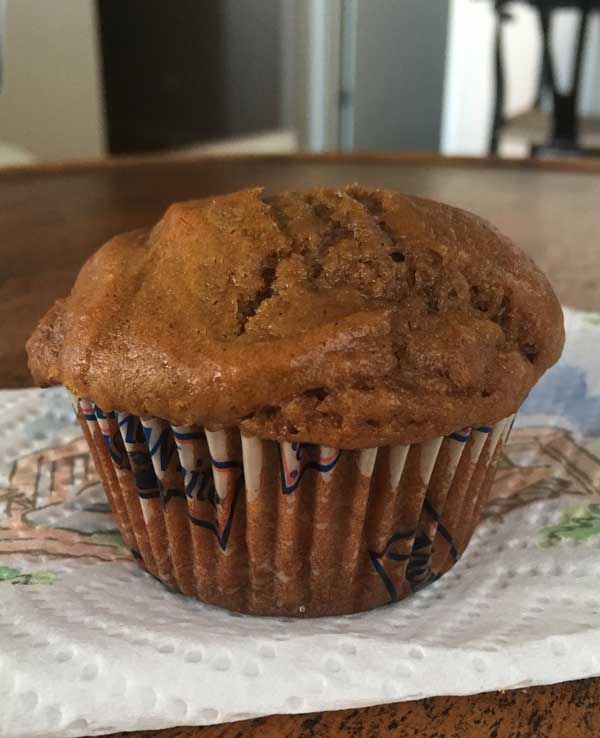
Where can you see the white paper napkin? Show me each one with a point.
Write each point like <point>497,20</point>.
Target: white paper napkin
<point>90,644</point>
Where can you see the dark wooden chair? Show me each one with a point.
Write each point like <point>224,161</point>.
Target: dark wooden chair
<point>565,125</point>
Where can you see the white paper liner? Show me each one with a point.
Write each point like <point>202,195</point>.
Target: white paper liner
<point>290,528</point>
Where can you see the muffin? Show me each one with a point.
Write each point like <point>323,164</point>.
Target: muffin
<point>296,402</point>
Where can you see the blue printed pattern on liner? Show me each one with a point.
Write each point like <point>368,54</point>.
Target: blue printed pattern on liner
<point>197,473</point>
<point>132,433</point>
<point>414,549</point>
<point>293,465</point>
<point>160,443</point>
<point>418,560</point>
<point>150,448</point>
<point>211,482</point>
<point>110,432</point>
<point>161,447</point>
<point>378,559</point>
<point>223,534</point>
<point>461,436</point>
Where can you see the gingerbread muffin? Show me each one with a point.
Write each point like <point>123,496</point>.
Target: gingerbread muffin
<point>297,402</point>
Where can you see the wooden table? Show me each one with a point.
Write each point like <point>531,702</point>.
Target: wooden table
<point>52,217</point>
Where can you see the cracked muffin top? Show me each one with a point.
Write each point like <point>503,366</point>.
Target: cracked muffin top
<point>349,317</point>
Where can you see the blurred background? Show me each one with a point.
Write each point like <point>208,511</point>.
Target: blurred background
<point>90,78</point>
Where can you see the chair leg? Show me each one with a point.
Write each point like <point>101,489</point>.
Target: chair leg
<point>564,133</point>
<point>499,82</point>
<point>546,80</point>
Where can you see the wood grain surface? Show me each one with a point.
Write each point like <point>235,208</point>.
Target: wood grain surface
<point>52,217</point>
<point>560,711</point>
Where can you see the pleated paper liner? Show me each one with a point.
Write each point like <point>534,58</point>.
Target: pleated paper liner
<point>290,528</point>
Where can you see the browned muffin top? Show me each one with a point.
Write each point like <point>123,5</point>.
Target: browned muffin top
<point>349,317</point>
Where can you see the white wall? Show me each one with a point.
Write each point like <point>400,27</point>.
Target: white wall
<point>400,70</point>
<point>468,93</point>
<point>310,71</point>
<point>374,52</point>
<point>590,92</point>
<point>51,99</point>
<point>323,66</point>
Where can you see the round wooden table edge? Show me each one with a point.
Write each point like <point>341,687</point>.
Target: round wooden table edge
<point>574,165</point>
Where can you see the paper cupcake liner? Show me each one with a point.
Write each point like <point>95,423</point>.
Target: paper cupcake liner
<point>290,528</point>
